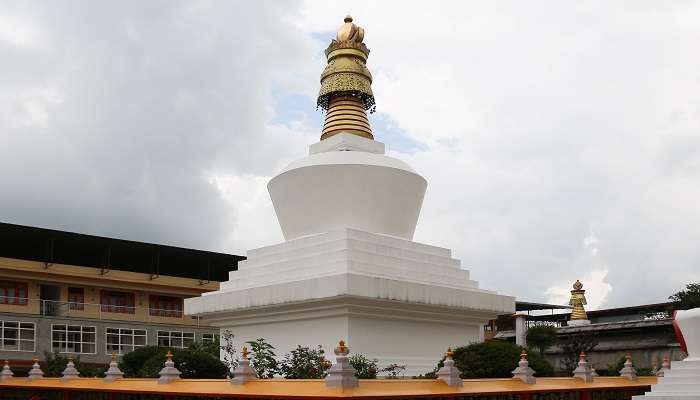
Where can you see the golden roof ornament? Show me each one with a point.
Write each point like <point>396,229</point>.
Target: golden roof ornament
<point>346,84</point>
<point>578,300</point>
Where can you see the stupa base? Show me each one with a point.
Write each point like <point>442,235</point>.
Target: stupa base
<point>391,299</point>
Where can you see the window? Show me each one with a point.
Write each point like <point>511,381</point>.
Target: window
<point>210,337</point>
<point>124,340</point>
<point>176,339</point>
<point>14,293</point>
<point>17,336</point>
<point>165,306</point>
<point>117,302</point>
<point>76,298</point>
<point>73,339</point>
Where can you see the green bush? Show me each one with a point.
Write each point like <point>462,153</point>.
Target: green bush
<point>263,358</point>
<point>614,369</point>
<point>364,367</point>
<point>495,359</point>
<point>305,363</point>
<point>133,361</point>
<point>55,364</point>
<point>194,362</point>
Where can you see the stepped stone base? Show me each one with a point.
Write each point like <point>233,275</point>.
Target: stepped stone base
<point>682,381</point>
<point>390,298</point>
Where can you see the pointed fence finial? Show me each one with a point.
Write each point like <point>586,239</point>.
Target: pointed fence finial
<point>628,370</point>
<point>36,371</point>
<point>583,371</point>
<point>6,372</point>
<point>449,373</point>
<point>70,372</point>
<point>243,372</point>
<point>523,370</point>
<point>342,374</point>
<point>169,373</point>
<point>665,367</point>
<point>113,373</point>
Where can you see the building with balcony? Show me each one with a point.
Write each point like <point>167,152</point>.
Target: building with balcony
<point>63,292</point>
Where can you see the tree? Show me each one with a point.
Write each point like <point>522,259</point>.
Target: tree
<point>574,345</point>
<point>541,337</point>
<point>495,359</point>
<point>686,299</point>
<point>228,351</point>
<point>305,363</point>
<point>263,358</point>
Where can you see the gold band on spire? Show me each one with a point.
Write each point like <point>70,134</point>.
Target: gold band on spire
<point>346,84</point>
<point>578,300</point>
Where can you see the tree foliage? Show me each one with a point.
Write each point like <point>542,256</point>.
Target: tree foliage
<point>541,337</point>
<point>495,359</point>
<point>365,368</point>
<point>305,363</point>
<point>686,299</point>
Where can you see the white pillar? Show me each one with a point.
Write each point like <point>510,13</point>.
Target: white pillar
<point>520,329</point>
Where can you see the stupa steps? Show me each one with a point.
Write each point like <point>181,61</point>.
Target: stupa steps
<point>413,254</point>
<point>321,259</point>
<point>348,233</point>
<point>446,278</point>
<point>686,365</point>
<point>252,266</point>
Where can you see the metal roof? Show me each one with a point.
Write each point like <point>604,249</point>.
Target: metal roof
<point>60,247</point>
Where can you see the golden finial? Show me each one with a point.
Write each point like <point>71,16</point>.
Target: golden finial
<point>449,353</point>
<point>7,362</point>
<point>582,356</point>
<point>169,355</point>
<point>342,348</point>
<point>244,353</point>
<point>346,84</point>
<point>628,357</point>
<point>35,359</point>
<point>666,359</point>
<point>523,355</point>
<point>70,357</point>
<point>114,356</point>
<point>578,300</point>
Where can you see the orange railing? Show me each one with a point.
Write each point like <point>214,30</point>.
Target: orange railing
<point>602,388</point>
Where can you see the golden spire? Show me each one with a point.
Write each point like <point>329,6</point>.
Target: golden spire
<point>578,300</point>
<point>346,91</point>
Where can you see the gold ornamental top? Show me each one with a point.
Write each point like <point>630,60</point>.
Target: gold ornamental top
<point>346,84</point>
<point>578,300</point>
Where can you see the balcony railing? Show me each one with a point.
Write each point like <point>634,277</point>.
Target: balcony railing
<point>99,311</point>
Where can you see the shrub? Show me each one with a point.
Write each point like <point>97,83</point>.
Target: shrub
<point>56,363</point>
<point>495,360</point>
<point>263,358</point>
<point>305,363</point>
<point>364,367</point>
<point>614,369</point>
<point>228,351</point>
<point>133,361</point>
<point>393,370</point>
<point>573,345</point>
<point>194,362</point>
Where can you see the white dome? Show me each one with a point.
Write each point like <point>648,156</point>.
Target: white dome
<point>347,189</point>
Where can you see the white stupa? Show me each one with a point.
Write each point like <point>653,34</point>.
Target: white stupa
<point>348,268</point>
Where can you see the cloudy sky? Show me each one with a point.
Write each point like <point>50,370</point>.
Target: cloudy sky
<point>560,140</point>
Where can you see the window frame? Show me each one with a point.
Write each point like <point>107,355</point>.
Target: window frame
<point>18,339</point>
<point>16,299</point>
<point>170,338</point>
<point>213,337</point>
<point>120,335</point>
<point>81,342</point>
